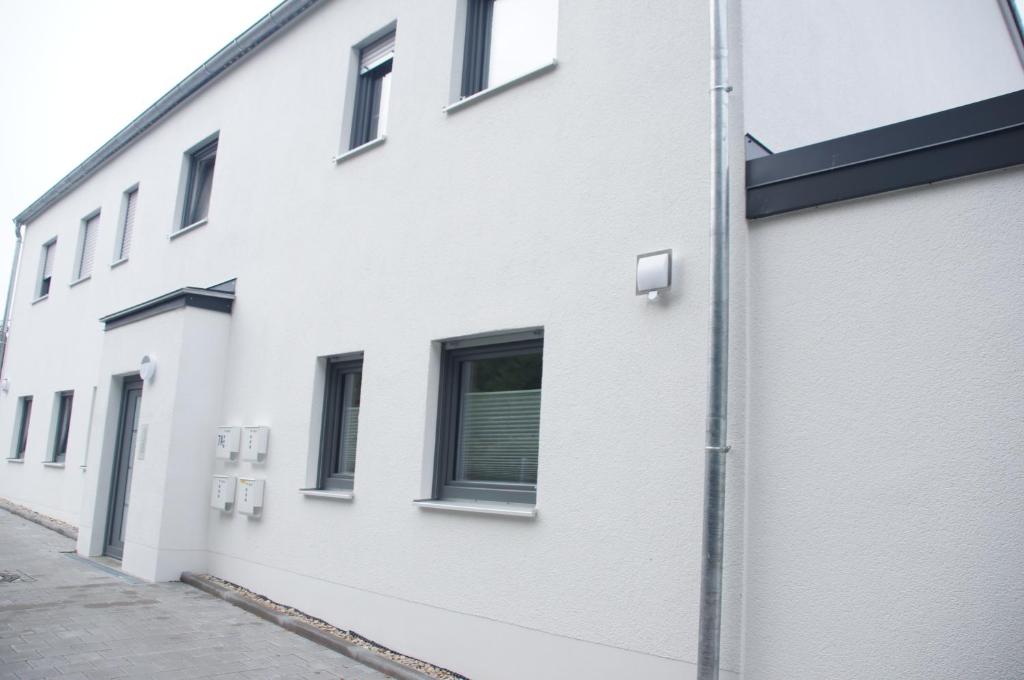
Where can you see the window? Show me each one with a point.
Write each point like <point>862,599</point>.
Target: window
<point>506,39</point>
<point>489,420</point>
<point>373,91</point>
<point>342,389</point>
<point>199,184</point>
<point>1013,10</point>
<point>126,224</point>
<point>24,416</point>
<point>86,247</point>
<point>46,268</point>
<point>60,440</point>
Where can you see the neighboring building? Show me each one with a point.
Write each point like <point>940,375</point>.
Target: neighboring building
<point>402,237</point>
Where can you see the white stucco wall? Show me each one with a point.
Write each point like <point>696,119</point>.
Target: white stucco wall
<point>885,499</point>
<point>524,210</point>
<point>817,70</point>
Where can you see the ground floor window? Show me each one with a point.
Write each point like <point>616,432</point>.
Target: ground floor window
<point>340,429</point>
<point>489,420</point>
<point>60,440</point>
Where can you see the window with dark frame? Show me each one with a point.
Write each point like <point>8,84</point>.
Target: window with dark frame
<point>24,417</point>
<point>127,226</point>
<point>506,39</point>
<point>1014,13</point>
<point>373,91</point>
<point>199,184</point>
<point>489,421</point>
<point>87,247</point>
<point>477,51</point>
<point>340,429</point>
<point>46,268</point>
<point>60,441</point>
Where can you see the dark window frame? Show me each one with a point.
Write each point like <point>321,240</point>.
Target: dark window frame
<point>367,109</point>
<point>46,280</point>
<point>126,222</point>
<point>446,487</point>
<point>63,426</point>
<point>476,55</point>
<point>24,419</point>
<point>90,224</point>
<point>198,160</point>
<point>337,376</point>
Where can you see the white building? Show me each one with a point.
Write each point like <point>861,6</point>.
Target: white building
<point>418,223</point>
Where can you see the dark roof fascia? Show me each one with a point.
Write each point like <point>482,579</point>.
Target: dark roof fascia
<point>978,137</point>
<point>229,56</point>
<point>202,298</point>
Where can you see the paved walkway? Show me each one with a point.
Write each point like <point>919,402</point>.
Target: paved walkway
<point>67,618</point>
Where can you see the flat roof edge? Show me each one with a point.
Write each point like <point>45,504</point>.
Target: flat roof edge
<point>965,140</point>
<point>227,57</point>
<point>219,298</point>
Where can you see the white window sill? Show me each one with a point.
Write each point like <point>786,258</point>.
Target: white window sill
<point>327,493</point>
<point>15,460</point>
<point>501,87</point>
<point>78,281</point>
<point>479,507</point>
<point>51,464</point>
<point>187,229</point>
<point>40,298</point>
<point>362,148</point>
<point>117,263</point>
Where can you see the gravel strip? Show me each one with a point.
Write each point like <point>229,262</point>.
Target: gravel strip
<point>345,635</point>
<point>62,528</point>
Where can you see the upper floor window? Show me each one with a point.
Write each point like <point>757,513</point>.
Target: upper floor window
<point>86,247</point>
<point>1014,13</point>
<point>373,91</point>
<point>126,225</point>
<point>46,268</point>
<point>199,184</point>
<point>506,39</point>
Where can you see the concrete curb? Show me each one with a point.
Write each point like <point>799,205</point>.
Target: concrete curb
<point>299,627</point>
<point>41,520</point>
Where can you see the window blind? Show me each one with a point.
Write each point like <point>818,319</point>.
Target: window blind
<point>376,53</point>
<point>347,455</point>
<point>500,436</point>
<point>129,224</point>
<point>48,260</point>
<point>88,247</point>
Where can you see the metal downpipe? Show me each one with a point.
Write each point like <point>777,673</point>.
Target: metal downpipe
<point>716,445</point>
<point>5,328</point>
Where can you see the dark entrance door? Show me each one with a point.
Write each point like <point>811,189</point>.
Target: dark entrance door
<point>124,459</point>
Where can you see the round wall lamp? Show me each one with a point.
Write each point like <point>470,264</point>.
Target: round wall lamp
<point>147,368</point>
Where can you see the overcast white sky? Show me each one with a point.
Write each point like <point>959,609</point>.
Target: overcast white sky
<point>65,70</point>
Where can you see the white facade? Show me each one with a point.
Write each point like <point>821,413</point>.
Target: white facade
<point>817,70</point>
<point>875,507</point>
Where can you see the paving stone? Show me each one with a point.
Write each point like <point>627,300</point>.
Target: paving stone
<point>75,621</point>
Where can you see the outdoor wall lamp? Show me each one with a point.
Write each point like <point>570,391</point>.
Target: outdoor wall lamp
<point>653,273</point>
<point>147,368</point>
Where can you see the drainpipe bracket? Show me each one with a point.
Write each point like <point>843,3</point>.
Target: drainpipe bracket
<point>718,449</point>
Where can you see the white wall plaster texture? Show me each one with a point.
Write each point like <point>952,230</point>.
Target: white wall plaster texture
<point>886,466</point>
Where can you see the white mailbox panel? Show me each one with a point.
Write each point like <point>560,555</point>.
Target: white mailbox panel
<point>250,496</point>
<point>254,443</point>
<point>229,440</point>
<point>222,496</point>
